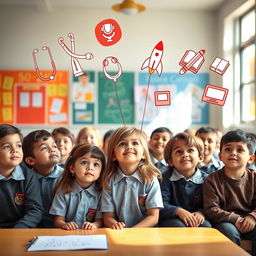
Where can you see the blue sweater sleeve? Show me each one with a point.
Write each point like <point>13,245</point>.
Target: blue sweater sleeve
<point>33,210</point>
<point>169,210</point>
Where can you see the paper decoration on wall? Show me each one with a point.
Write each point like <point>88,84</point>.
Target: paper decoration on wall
<point>191,61</point>
<point>108,32</point>
<point>215,94</point>
<point>76,67</point>
<point>52,76</point>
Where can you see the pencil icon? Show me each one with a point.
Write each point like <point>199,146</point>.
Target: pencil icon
<point>193,64</point>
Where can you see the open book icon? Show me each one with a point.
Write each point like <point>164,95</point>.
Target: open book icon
<point>219,65</point>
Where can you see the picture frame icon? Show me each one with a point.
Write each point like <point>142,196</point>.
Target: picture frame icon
<point>162,98</point>
<point>215,94</point>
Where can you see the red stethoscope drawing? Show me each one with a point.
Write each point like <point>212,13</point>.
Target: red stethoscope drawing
<point>76,67</point>
<point>52,76</point>
<point>114,60</point>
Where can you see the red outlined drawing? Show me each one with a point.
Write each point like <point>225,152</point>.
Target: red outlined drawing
<point>191,61</point>
<point>215,94</point>
<point>114,60</point>
<point>153,62</point>
<point>219,66</point>
<point>52,76</point>
<point>108,32</point>
<point>162,98</point>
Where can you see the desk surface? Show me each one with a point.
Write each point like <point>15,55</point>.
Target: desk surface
<point>130,242</point>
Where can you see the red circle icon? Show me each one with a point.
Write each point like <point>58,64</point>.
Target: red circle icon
<point>108,32</point>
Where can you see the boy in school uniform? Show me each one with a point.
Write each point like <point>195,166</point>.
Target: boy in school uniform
<point>41,153</point>
<point>158,140</point>
<point>182,183</point>
<point>230,193</point>
<point>211,161</point>
<point>21,205</point>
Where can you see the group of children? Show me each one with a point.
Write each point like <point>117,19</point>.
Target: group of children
<point>169,181</point>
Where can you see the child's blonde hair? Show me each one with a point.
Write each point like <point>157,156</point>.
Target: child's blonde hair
<point>146,169</point>
<point>83,131</point>
<point>189,139</point>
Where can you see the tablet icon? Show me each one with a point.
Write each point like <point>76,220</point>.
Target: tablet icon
<point>215,94</point>
<point>162,98</point>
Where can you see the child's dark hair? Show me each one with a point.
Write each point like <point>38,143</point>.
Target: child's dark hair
<point>161,129</point>
<point>107,134</point>
<point>189,139</point>
<point>30,140</point>
<point>237,136</point>
<point>67,179</point>
<point>64,131</point>
<point>7,129</point>
<point>206,130</point>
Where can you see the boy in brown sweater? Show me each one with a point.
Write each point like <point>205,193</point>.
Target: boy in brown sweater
<point>230,193</point>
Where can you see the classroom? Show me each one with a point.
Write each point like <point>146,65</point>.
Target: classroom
<point>179,64</point>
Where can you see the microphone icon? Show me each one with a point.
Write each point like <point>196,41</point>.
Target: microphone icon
<point>108,31</point>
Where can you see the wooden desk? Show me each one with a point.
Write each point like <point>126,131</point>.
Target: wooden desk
<point>130,242</point>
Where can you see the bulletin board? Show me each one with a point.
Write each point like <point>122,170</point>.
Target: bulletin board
<point>108,109</point>
<point>25,99</point>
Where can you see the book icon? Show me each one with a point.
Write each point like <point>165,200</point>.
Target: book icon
<point>191,61</point>
<point>219,65</point>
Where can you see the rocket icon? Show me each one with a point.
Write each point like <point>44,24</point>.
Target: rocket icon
<point>153,62</point>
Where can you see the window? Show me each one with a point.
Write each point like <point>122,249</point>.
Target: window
<point>247,54</point>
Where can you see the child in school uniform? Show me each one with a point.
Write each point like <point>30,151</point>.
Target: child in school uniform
<point>158,140</point>
<point>89,135</point>
<point>21,205</point>
<point>77,200</point>
<point>64,140</point>
<point>41,153</point>
<point>230,193</point>
<point>131,195</point>
<point>211,161</point>
<point>182,183</point>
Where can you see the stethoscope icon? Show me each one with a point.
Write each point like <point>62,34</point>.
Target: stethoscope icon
<point>115,61</point>
<point>52,76</point>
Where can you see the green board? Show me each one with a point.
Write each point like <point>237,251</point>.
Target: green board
<point>108,108</point>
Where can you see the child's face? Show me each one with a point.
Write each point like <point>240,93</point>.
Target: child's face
<point>11,153</point>
<point>236,155</point>
<point>64,144</point>
<point>86,170</point>
<point>183,157</point>
<point>45,153</point>
<point>128,151</point>
<point>210,142</point>
<point>158,142</point>
<point>89,137</point>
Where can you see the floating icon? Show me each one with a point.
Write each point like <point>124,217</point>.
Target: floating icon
<point>114,60</point>
<point>215,94</point>
<point>52,76</point>
<point>153,62</point>
<point>191,61</point>
<point>162,98</point>
<point>219,66</point>
<point>108,32</point>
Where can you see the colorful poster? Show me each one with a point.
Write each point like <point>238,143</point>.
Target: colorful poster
<point>25,99</point>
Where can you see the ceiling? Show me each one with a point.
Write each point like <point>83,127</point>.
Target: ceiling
<point>150,4</point>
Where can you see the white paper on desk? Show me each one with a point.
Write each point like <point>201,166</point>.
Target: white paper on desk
<point>72,242</point>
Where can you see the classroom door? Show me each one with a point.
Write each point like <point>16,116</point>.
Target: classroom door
<point>30,107</point>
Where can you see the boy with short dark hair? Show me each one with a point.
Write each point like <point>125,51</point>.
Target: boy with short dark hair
<point>211,161</point>
<point>158,139</point>
<point>41,153</point>
<point>230,193</point>
<point>21,205</point>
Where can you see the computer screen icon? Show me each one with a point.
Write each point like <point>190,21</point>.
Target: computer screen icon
<point>215,94</point>
<point>162,98</point>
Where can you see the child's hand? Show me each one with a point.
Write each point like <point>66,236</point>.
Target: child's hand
<point>187,217</point>
<point>70,226</point>
<point>88,226</point>
<point>199,218</point>
<point>118,225</point>
<point>245,224</point>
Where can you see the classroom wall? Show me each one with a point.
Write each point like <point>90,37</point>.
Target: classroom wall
<point>24,29</point>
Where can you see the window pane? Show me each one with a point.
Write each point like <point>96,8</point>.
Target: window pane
<point>248,106</point>
<point>248,26</point>
<point>248,64</point>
